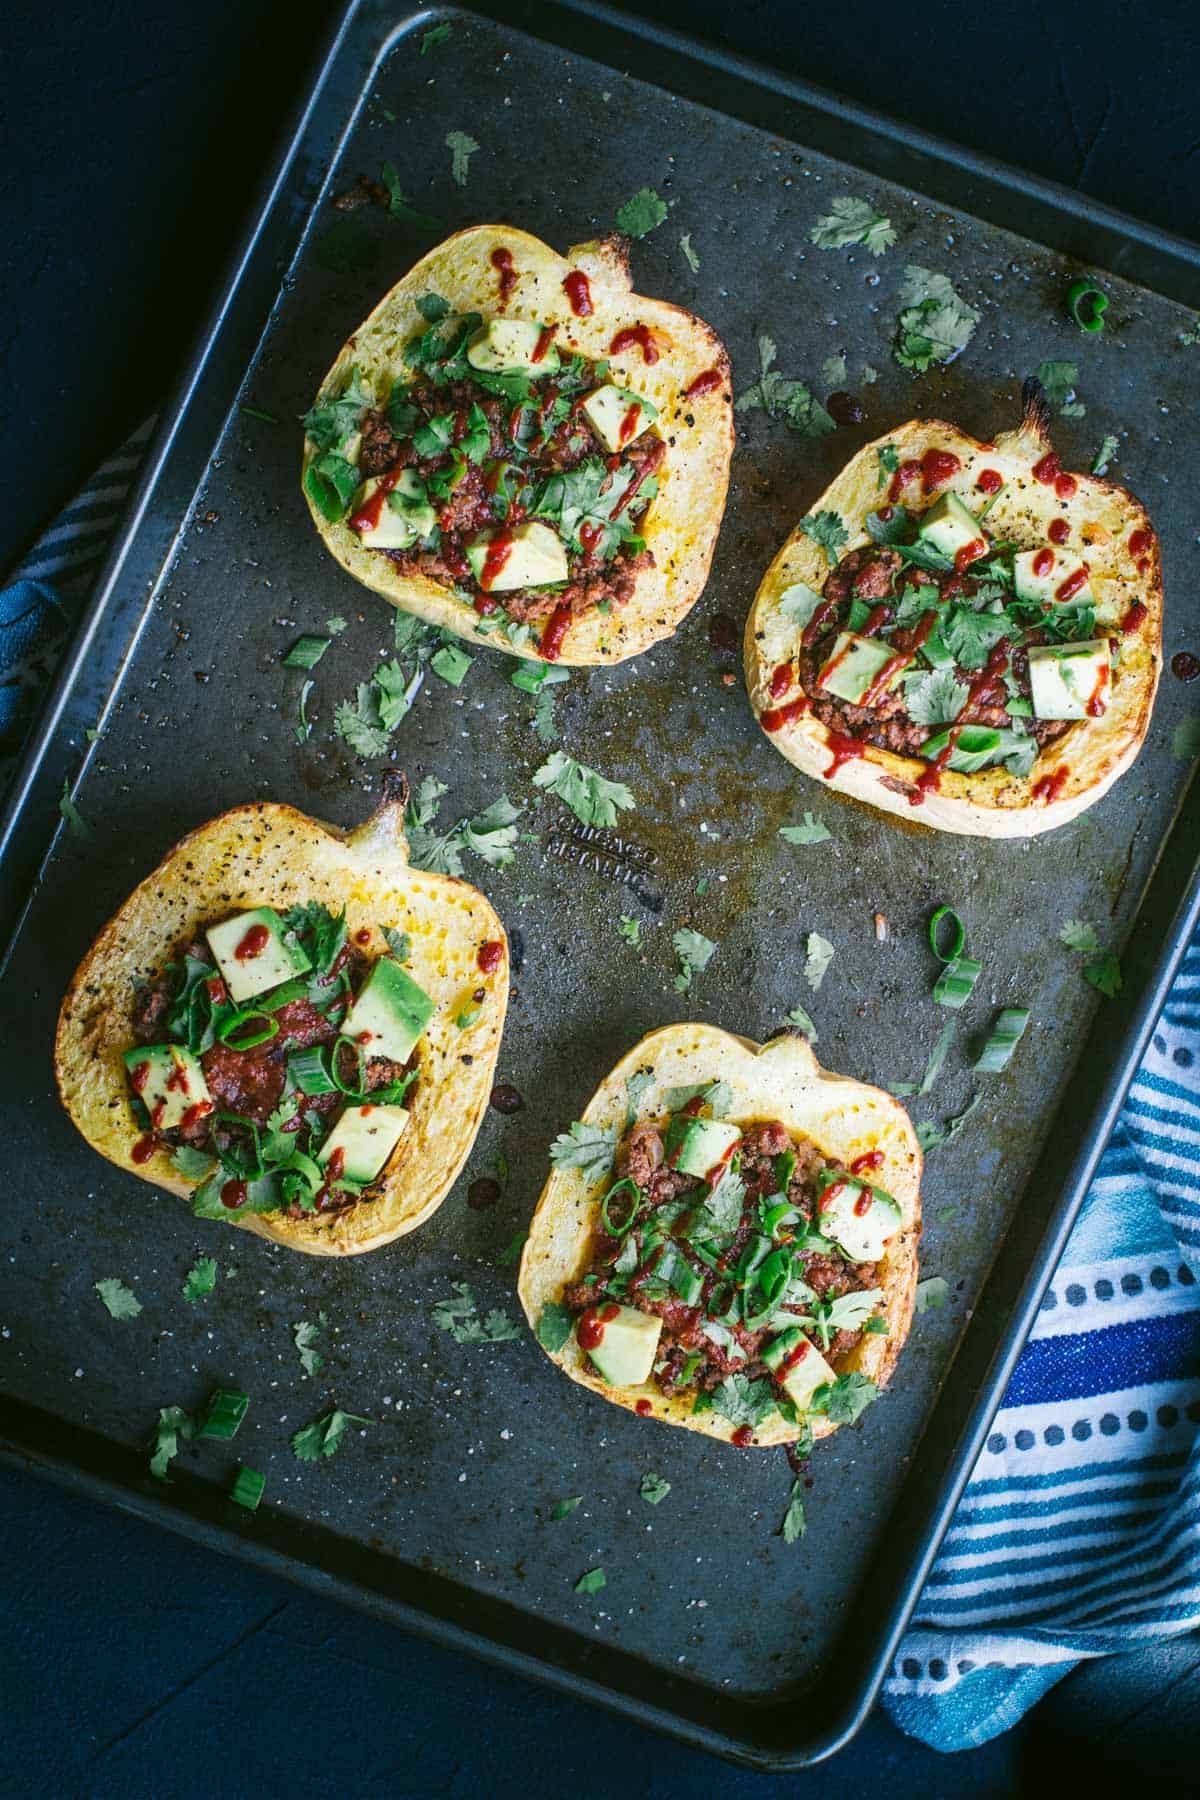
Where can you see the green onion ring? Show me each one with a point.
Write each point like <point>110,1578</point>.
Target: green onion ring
<point>1087,305</point>
<point>235,1021</point>
<point>352,1093</point>
<point>958,930</point>
<point>635,1200</point>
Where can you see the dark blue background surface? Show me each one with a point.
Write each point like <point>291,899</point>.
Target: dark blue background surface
<point>135,1663</point>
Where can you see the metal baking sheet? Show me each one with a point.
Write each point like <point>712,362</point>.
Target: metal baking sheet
<point>437,1515</point>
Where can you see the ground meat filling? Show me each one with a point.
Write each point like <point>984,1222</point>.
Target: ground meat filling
<point>876,577</point>
<point>505,484</point>
<point>251,1083</point>
<point>689,1357</point>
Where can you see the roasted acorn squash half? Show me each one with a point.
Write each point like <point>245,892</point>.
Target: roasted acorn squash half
<point>270,855</point>
<point>455,470</point>
<point>779,1088</point>
<point>1068,556</point>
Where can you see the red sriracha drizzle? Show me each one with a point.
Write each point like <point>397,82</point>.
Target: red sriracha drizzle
<point>644,1407</point>
<point>578,291</point>
<point>907,471</point>
<point>590,1329</point>
<point>968,554</point>
<point>1133,618</point>
<point>862,1205</point>
<point>233,1194</point>
<point>1048,469</point>
<point>253,944</point>
<point>989,481</point>
<point>490,954</point>
<point>742,1437</point>
<point>871,1159</point>
<point>1059,531</point>
<point>1067,590</point>
<point>368,516</point>
<point>1043,562</point>
<point>498,552</point>
<point>793,1359</point>
<point>139,1076</point>
<point>545,339</point>
<point>705,383</point>
<point>143,1150</point>
<point>776,717</point>
<point>937,468</point>
<point>642,336</point>
<point>556,630</point>
<point>628,424</point>
<point>502,262</point>
<point>930,779</point>
<point>845,749</point>
<point>781,680</point>
<point>194,1114</point>
<point>1051,786</point>
<point>1065,486</point>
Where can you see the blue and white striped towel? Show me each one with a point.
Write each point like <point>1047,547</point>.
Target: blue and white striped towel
<point>1079,1532</point>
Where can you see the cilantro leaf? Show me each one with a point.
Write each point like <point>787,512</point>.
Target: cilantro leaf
<point>1106,454</point>
<point>970,635</point>
<point>800,1018</point>
<point>324,1436</point>
<point>436,35</point>
<point>545,722</point>
<point>798,603</point>
<point>935,698</point>
<point>846,1399</point>
<point>201,1279</point>
<point>654,1489</point>
<point>593,799</point>
<point>853,222</point>
<point>812,831</point>
<point>173,1423</point>
<point>642,214</point>
<point>932,1136</point>
<point>826,529</point>
<point>121,1301</point>
<point>743,1401</point>
<point>717,1096</point>
<point>400,206</point>
<point>511,1252</point>
<point>935,323</point>
<point>1185,739</point>
<point>784,397</point>
<point>820,953</point>
<point>359,724</point>
<point>591,1583</point>
<point>695,952</point>
<point>1058,379</point>
<point>693,261</point>
<point>635,1086</point>
<point>794,1523</point>
<point>192,1164</point>
<point>74,819</point>
<point>1105,974</point>
<point>492,834</point>
<point>462,148</point>
<point>565,1508</point>
<point>833,372</point>
<point>631,930</point>
<point>932,1294</point>
<point>1077,934</point>
<point>554,1327</point>
<point>589,1148</point>
<point>330,422</point>
<point>460,1317</point>
<point>304,1336</point>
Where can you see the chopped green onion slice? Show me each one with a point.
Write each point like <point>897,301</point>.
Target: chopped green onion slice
<point>306,652</point>
<point>247,1489</point>
<point>224,1413</point>
<point>306,1068</point>
<point>958,935</point>
<point>241,1022</point>
<point>1087,305</point>
<point>686,1282</point>
<point>632,1195</point>
<point>360,1067</point>
<point>778,1215</point>
<point>954,984</point>
<point>283,996</point>
<point>1003,1039</point>
<point>784,1168</point>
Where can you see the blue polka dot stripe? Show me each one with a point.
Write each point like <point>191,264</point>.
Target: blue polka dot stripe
<point>1079,1532</point>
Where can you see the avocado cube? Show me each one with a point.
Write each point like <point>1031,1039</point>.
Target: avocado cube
<point>949,527</point>
<point>254,953</point>
<point>617,416</point>
<point>859,1219</point>
<point>855,666</point>
<point>1070,681</point>
<point>169,1082</point>
<point>625,1354</point>
<point>537,557</point>
<point>797,1366</point>
<point>365,1136</point>
<point>512,344</point>
<point>696,1146</point>
<point>401,522</point>
<point>1038,575</point>
<point>390,1013</point>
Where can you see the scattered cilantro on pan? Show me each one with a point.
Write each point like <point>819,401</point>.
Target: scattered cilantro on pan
<point>744,1401</point>
<point>833,371</point>
<point>935,698</point>
<point>1106,454</point>
<point>451,663</point>
<point>1077,934</point>
<point>201,1279</point>
<point>491,835</point>
<point>1185,740</point>
<point>784,397</point>
<point>304,1336</point>
<point>654,1489</point>
<point>248,1487</point>
<point>846,1399</point>
<point>324,1436</point>
<point>932,1294</point>
<point>336,625</point>
<point>852,221</point>
<point>935,323</point>
<point>932,1136</point>
<point>642,214</point>
<point>400,206</point>
<point>121,1301</point>
<point>511,1252</point>
<point>801,1020</point>
<point>811,831</point>
<point>695,952</point>
<point>432,38</point>
<point>819,955</point>
<point>1059,379</point>
<point>462,148</point>
<point>565,1508</point>
<point>359,724</point>
<point>593,799</point>
<point>545,721</point>
<point>173,1423</point>
<point>588,1148</point>
<point>460,1317</point>
<point>826,529</point>
<point>1104,974</point>
<point>794,1523</point>
<point>591,1583</point>
<point>693,261</point>
<point>933,1067</point>
<point>71,813</point>
<point>554,1327</point>
<point>631,930</point>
